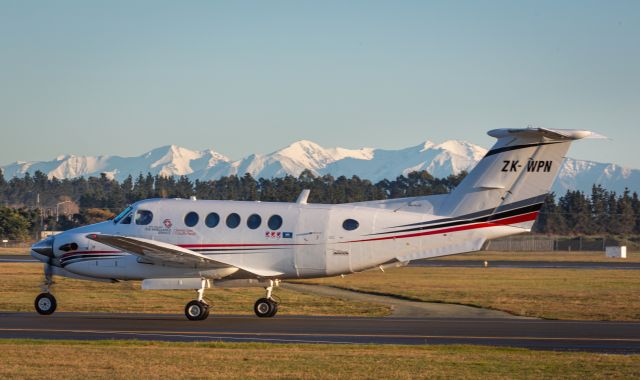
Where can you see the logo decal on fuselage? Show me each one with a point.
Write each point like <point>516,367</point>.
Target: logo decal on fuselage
<point>275,235</point>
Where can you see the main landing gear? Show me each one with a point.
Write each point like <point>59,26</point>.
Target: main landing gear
<point>198,310</point>
<point>267,307</point>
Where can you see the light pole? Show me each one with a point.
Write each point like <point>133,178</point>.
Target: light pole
<point>58,208</point>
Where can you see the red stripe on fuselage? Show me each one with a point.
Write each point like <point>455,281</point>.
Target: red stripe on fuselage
<point>498,223</point>
<point>234,245</point>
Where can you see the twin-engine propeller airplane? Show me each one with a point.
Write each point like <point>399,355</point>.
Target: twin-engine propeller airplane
<point>198,244</point>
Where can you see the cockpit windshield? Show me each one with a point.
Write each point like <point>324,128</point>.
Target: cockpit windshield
<point>122,214</point>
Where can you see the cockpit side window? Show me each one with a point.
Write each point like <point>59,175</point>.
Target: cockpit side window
<point>143,217</point>
<point>122,215</point>
<point>127,219</point>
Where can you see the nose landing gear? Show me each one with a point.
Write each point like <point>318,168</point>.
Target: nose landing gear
<point>267,307</point>
<point>45,302</point>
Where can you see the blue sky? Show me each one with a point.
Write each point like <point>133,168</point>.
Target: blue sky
<point>111,77</point>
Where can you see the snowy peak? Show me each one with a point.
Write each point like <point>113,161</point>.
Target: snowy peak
<point>313,156</point>
<point>440,160</point>
<point>462,149</point>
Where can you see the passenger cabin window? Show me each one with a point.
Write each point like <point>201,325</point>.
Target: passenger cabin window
<point>212,220</point>
<point>191,219</point>
<point>143,217</point>
<point>233,220</point>
<point>254,221</point>
<point>275,222</point>
<point>350,224</point>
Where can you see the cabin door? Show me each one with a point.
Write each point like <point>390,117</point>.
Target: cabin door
<point>310,240</point>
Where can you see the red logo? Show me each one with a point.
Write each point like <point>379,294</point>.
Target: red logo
<point>167,223</point>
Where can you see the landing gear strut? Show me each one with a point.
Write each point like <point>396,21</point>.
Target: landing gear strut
<point>45,302</point>
<point>267,307</point>
<point>198,310</point>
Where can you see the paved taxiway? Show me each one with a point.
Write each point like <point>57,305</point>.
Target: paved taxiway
<point>17,259</point>
<point>621,337</point>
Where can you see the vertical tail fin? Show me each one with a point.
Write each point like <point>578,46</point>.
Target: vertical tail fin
<point>514,176</point>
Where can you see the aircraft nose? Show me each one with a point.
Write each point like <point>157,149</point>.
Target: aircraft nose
<point>44,247</point>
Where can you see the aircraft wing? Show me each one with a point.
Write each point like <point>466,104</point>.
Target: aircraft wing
<point>160,252</point>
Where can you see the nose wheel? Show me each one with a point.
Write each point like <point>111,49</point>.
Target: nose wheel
<point>45,304</point>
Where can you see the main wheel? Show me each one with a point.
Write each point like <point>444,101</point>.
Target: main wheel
<point>196,310</point>
<point>45,304</point>
<point>265,308</point>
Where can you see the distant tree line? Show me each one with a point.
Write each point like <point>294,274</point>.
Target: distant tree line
<point>602,212</point>
<point>99,198</point>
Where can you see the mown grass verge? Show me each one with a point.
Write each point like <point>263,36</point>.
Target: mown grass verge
<point>20,284</point>
<point>129,359</point>
<point>545,293</point>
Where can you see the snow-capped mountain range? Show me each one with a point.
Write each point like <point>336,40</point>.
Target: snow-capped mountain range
<point>440,160</point>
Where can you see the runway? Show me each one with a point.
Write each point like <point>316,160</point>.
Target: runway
<point>613,337</point>
<point>17,259</point>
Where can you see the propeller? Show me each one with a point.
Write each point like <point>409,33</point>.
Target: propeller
<point>45,248</point>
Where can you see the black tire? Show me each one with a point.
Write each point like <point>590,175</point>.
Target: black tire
<point>265,308</point>
<point>206,312</point>
<point>196,310</point>
<point>45,304</point>
<point>274,309</point>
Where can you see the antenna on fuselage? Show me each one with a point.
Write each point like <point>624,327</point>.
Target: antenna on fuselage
<point>302,198</point>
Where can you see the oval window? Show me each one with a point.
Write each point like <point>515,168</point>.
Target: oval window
<point>143,217</point>
<point>212,220</point>
<point>275,222</point>
<point>254,221</point>
<point>350,224</point>
<point>233,220</point>
<point>191,219</point>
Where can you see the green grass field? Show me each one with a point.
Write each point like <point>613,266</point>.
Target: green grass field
<point>128,359</point>
<point>14,251</point>
<point>20,283</point>
<point>546,293</point>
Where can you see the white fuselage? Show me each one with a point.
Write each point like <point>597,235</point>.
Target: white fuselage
<point>311,241</point>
